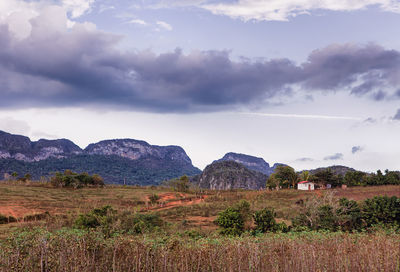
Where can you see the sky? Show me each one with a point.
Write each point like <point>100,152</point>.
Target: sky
<point>303,82</point>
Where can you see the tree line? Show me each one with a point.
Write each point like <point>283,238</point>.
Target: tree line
<point>286,177</point>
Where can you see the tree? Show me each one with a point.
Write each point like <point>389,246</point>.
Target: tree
<point>272,182</point>
<point>14,175</point>
<point>305,176</point>
<point>326,176</point>
<point>180,185</point>
<point>356,178</point>
<point>286,176</point>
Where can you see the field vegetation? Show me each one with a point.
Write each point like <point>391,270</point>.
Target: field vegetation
<point>44,227</point>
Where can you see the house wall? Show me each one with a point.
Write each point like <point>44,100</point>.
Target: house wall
<point>305,186</point>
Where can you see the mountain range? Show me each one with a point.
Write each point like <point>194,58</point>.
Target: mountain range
<point>117,161</point>
<point>129,161</point>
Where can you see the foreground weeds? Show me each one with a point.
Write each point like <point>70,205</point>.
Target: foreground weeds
<point>78,250</point>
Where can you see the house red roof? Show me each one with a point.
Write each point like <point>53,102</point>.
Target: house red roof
<point>306,181</point>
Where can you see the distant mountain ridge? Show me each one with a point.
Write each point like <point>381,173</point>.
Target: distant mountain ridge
<point>336,169</point>
<point>22,148</point>
<point>135,149</point>
<point>118,161</point>
<point>227,175</point>
<point>251,162</point>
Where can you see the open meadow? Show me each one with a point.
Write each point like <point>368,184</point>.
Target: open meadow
<point>45,236</point>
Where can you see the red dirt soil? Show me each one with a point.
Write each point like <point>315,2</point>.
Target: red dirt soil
<point>16,211</point>
<point>169,200</point>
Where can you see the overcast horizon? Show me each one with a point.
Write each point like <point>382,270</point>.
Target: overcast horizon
<point>301,82</point>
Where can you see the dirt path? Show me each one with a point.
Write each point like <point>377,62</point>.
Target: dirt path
<point>172,200</point>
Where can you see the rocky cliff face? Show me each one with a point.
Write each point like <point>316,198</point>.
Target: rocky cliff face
<point>23,149</point>
<point>251,162</point>
<point>118,161</point>
<point>226,175</point>
<point>134,149</point>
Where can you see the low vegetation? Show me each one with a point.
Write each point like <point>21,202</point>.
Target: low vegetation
<point>75,180</point>
<point>126,228</point>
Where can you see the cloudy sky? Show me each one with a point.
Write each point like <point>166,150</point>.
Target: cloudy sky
<point>304,82</point>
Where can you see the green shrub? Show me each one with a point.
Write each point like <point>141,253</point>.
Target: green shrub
<point>231,221</point>
<point>349,215</point>
<point>75,180</point>
<point>95,218</point>
<point>327,219</point>
<point>265,221</point>
<point>109,221</point>
<point>140,223</point>
<point>243,206</point>
<point>381,210</point>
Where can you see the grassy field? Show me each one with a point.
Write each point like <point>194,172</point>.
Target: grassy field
<point>190,241</point>
<point>198,209</point>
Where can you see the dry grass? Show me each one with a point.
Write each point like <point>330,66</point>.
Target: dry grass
<point>21,199</point>
<point>300,252</point>
<point>47,246</point>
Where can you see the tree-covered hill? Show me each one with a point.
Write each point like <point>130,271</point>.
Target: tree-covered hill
<point>114,169</point>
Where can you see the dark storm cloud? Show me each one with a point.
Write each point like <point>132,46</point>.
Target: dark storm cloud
<point>341,66</point>
<point>78,67</point>
<point>356,149</point>
<point>334,157</point>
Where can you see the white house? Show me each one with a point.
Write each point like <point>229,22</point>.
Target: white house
<point>305,185</point>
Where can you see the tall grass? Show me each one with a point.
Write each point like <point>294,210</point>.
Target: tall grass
<point>72,250</point>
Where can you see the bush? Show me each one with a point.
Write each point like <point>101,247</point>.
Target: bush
<point>231,221</point>
<point>265,221</point>
<point>140,223</point>
<point>75,180</point>
<point>381,210</point>
<point>327,219</point>
<point>349,215</point>
<point>243,207</point>
<point>109,221</point>
<point>95,218</point>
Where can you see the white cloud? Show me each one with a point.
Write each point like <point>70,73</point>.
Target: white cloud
<point>282,10</point>
<point>17,14</point>
<point>104,8</point>
<point>137,22</point>
<point>11,125</point>
<point>77,8</point>
<point>164,25</point>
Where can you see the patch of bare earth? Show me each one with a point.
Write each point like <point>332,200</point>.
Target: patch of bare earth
<point>172,200</point>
